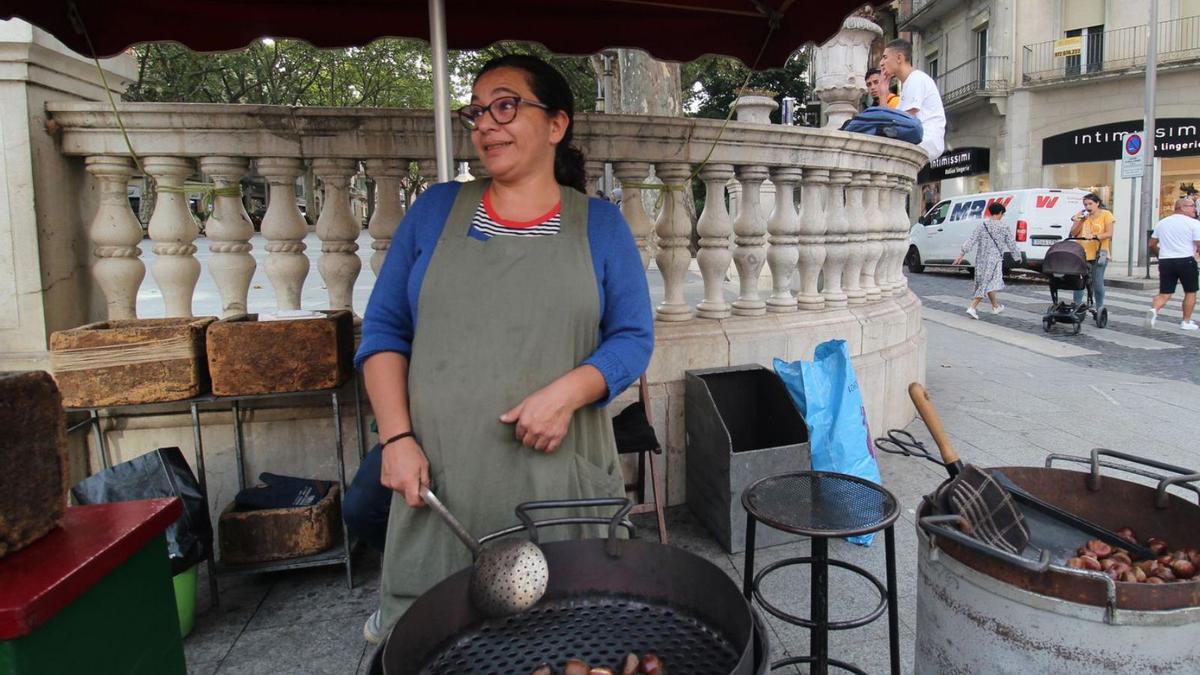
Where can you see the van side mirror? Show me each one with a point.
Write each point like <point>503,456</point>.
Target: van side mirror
<point>924,220</point>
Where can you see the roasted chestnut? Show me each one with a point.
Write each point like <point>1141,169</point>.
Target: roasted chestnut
<point>630,665</point>
<point>651,665</point>
<point>543,669</point>
<point>1154,580</point>
<point>1127,534</point>
<point>1157,546</point>
<point>1139,574</point>
<point>1165,573</point>
<point>1090,563</point>
<point>1146,566</point>
<point>1165,559</point>
<point>575,667</point>
<point>1099,548</point>
<point>1128,577</point>
<point>1183,569</point>
<point>1122,556</point>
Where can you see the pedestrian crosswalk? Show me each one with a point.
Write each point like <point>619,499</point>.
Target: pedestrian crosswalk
<point>1021,323</point>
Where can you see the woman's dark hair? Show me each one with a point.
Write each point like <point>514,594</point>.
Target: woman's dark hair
<point>551,88</point>
<point>1093,197</point>
<point>996,208</point>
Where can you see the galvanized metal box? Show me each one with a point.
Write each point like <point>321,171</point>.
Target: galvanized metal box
<point>741,426</point>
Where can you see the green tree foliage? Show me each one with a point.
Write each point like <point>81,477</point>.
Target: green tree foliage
<point>386,73</point>
<point>719,78</point>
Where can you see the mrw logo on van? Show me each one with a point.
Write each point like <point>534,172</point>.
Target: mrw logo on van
<point>1045,202</point>
<point>975,209</point>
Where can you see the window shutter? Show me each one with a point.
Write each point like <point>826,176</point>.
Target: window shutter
<point>1078,14</point>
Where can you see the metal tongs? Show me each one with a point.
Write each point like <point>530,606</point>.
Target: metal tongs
<point>900,442</point>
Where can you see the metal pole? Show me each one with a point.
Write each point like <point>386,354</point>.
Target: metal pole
<point>443,141</point>
<point>1149,182</point>
<point>606,59</point>
<point>1133,230</point>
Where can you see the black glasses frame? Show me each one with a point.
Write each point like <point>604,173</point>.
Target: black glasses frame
<point>469,114</point>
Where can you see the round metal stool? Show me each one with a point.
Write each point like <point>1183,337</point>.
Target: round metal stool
<point>821,505</point>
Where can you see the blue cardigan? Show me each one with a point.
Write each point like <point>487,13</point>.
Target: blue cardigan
<point>626,320</point>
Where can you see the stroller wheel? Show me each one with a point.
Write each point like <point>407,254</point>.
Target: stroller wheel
<point>1076,327</point>
<point>1102,318</point>
<point>1047,323</point>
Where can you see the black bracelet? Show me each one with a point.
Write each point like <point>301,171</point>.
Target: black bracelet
<point>393,439</point>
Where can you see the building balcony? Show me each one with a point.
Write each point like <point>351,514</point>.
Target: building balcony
<point>815,240</point>
<point>1111,53</point>
<point>917,15</point>
<point>973,81</point>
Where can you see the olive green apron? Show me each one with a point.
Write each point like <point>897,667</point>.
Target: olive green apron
<point>497,320</point>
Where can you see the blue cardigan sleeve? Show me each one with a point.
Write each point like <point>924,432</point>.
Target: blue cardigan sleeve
<point>389,323</point>
<point>626,319</point>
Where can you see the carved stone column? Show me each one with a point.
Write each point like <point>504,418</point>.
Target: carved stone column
<point>841,65</point>
<point>836,246</point>
<point>813,187</point>
<point>338,229</point>
<point>173,230</point>
<point>674,229</point>
<point>784,228</point>
<point>876,230</point>
<point>856,238</point>
<point>715,229</point>
<point>900,235</point>
<point>595,174</point>
<point>284,229</point>
<point>751,230</point>
<point>631,175</point>
<point>229,231</point>
<point>115,233</point>
<point>389,207</point>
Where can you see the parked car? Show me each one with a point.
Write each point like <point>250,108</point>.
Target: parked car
<point>1039,217</point>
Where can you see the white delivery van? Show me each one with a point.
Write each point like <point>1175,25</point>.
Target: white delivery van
<point>1039,217</point>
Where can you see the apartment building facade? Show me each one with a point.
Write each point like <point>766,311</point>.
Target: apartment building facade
<point>1038,93</point>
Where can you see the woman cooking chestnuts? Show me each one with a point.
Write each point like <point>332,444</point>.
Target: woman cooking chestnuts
<point>507,312</point>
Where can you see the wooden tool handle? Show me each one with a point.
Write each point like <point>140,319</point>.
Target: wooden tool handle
<point>925,409</point>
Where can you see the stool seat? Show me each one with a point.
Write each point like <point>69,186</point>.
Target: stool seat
<point>820,504</point>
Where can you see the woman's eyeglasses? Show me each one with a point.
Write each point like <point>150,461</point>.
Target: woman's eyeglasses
<point>503,110</point>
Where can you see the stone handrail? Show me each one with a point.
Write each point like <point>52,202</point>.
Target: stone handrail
<point>849,232</point>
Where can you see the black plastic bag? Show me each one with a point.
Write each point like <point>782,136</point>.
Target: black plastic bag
<point>161,473</point>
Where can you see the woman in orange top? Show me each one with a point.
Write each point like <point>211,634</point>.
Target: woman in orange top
<point>1095,226</point>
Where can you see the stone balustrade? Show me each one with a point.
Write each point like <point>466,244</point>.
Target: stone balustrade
<point>846,233</point>
<point>818,255</point>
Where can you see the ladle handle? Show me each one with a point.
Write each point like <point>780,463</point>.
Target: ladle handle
<point>925,409</point>
<point>457,527</point>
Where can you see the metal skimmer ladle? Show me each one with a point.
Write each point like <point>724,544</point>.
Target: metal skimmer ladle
<point>509,575</point>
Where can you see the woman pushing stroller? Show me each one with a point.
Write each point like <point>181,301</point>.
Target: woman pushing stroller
<point>990,240</point>
<point>1094,225</point>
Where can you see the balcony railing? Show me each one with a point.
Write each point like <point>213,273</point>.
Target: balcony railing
<point>847,241</point>
<point>988,77</point>
<point>1112,51</point>
<point>914,8</point>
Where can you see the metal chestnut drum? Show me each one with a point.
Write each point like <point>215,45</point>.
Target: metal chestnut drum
<point>979,611</point>
<point>605,598</point>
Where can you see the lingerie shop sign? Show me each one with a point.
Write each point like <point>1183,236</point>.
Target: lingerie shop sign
<point>955,163</point>
<point>1173,137</point>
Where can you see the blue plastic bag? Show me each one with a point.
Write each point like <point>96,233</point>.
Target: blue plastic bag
<point>825,390</point>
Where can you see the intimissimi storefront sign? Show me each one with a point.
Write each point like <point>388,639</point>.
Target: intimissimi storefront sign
<point>1173,137</point>
<point>955,163</point>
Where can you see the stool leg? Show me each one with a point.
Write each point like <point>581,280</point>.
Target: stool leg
<point>819,637</point>
<point>893,610</point>
<point>748,571</point>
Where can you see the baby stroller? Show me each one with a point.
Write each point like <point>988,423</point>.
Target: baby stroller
<point>1066,267</point>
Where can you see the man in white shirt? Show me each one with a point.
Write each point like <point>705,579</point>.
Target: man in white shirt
<point>918,96</point>
<point>1177,238</point>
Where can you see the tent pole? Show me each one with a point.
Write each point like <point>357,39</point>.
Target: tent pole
<point>443,141</point>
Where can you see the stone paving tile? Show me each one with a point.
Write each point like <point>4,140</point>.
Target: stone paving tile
<point>296,596</point>
<point>314,646</point>
<point>217,629</point>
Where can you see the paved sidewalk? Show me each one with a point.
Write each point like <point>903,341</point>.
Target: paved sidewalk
<point>1002,405</point>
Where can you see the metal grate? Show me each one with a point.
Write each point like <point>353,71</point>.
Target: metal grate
<point>599,631</point>
<point>820,504</point>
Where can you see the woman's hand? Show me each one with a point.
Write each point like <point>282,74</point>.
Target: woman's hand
<point>543,417</point>
<point>957,261</point>
<point>405,469</point>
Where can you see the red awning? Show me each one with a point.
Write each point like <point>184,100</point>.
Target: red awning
<point>673,30</point>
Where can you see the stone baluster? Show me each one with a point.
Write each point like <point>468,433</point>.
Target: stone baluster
<point>715,228</point>
<point>115,233</point>
<point>478,170</point>
<point>428,170</point>
<point>856,238</point>
<point>895,202</point>
<point>284,229</point>
<point>595,176</point>
<point>389,207</point>
<point>632,175</point>
<point>836,246</point>
<point>750,229</point>
<point>887,211</point>
<point>674,229</point>
<point>900,235</point>
<point>173,230</point>
<point>813,188</point>
<point>229,231</point>
<point>338,230</point>
<point>876,230</point>
<point>784,229</point>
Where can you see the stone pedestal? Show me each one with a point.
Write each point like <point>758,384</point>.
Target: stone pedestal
<point>841,68</point>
